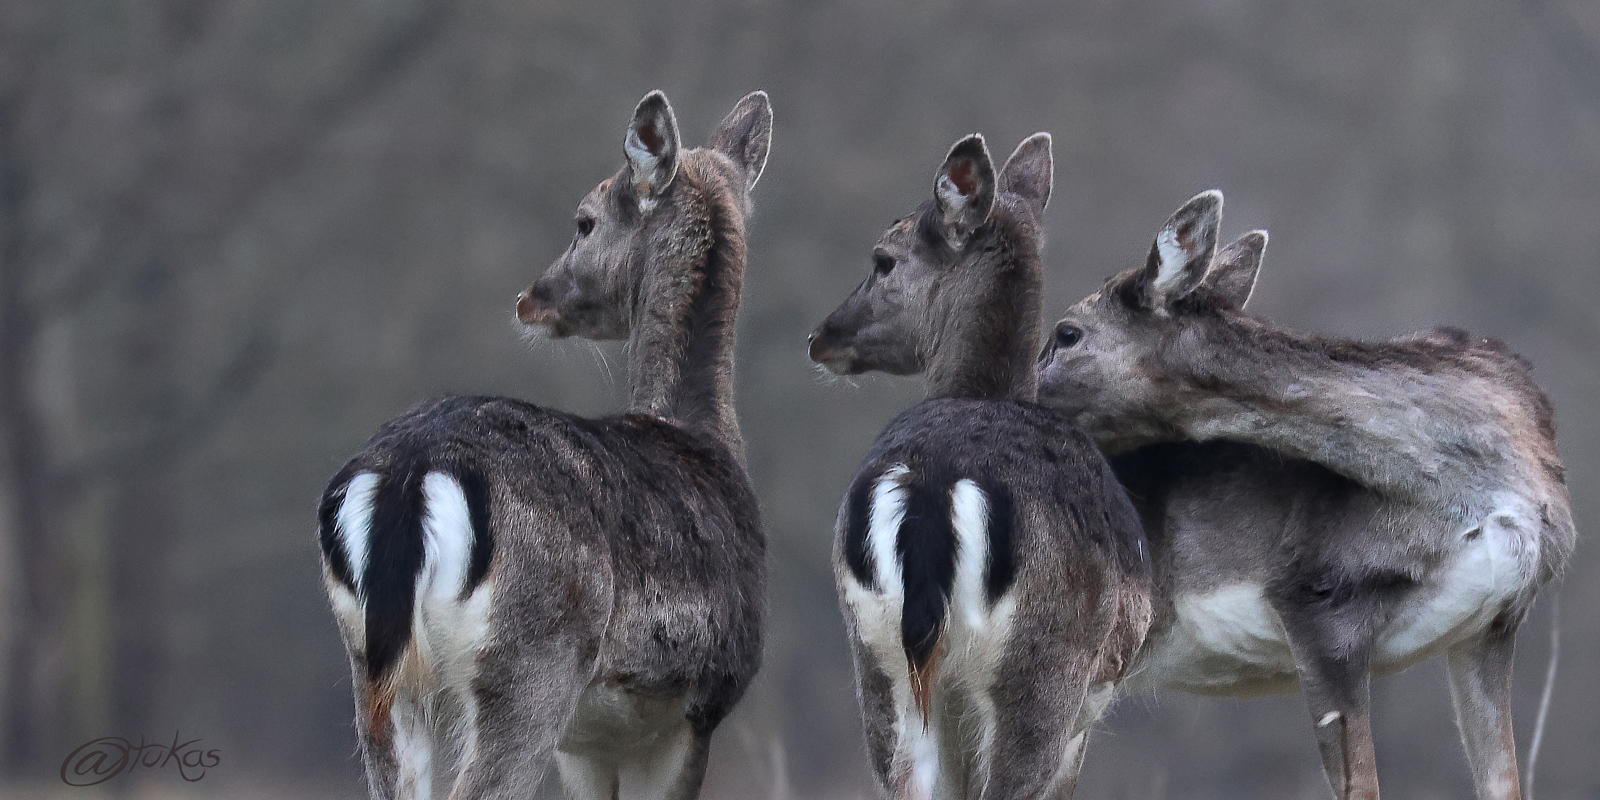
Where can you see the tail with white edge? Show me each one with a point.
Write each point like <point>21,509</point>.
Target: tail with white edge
<point>406,548</point>
<point>933,552</point>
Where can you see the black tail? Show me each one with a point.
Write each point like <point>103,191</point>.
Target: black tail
<point>388,578</point>
<point>394,559</point>
<point>927,548</point>
<point>926,544</point>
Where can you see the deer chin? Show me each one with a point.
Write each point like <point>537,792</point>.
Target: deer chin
<point>840,365</point>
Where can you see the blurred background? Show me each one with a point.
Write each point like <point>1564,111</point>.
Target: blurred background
<point>237,235</point>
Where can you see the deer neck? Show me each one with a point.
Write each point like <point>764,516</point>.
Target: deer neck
<point>986,349</point>
<point>680,350</point>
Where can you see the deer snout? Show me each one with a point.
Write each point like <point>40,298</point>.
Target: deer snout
<point>817,347</point>
<point>822,348</point>
<point>534,306</point>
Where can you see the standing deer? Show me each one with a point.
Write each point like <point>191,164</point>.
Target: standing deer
<point>513,582</point>
<point>1321,509</point>
<point>991,571</point>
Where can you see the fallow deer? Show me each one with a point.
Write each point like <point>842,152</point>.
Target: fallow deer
<point>991,571</point>
<point>515,584</point>
<point>1321,510</point>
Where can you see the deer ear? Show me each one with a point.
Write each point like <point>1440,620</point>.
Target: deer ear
<point>1030,171</point>
<point>1182,250</point>
<point>745,135</point>
<point>652,146</point>
<point>964,189</point>
<point>1232,276</point>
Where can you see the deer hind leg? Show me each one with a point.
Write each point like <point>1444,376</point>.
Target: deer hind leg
<point>624,743</point>
<point>1094,706</point>
<point>903,748</point>
<point>1336,678</point>
<point>1041,727</point>
<point>673,770</point>
<point>378,750</point>
<point>523,699</point>
<point>1480,689</point>
<point>879,716</point>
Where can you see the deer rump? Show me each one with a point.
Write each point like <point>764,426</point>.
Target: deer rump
<point>992,576</point>
<point>431,576</point>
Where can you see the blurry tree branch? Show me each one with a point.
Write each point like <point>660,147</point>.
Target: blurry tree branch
<point>184,427</point>
<point>129,233</point>
<point>125,237</point>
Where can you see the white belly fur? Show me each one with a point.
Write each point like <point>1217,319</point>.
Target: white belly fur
<point>1229,640</point>
<point>1220,642</point>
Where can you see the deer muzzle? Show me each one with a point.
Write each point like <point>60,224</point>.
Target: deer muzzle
<point>533,311</point>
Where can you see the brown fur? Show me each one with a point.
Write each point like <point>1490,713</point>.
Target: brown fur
<point>1351,483</point>
<point>612,607</point>
<point>1007,700</point>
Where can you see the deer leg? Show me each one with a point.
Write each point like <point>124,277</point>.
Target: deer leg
<point>672,770</point>
<point>1039,732</point>
<point>377,742</point>
<point>1336,678</point>
<point>1480,689</point>
<point>587,778</point>
<point>524,698</point>
<point>875,693</point>
<point>1094,706</point>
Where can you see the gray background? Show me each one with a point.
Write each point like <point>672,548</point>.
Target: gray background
<point>236,236</point>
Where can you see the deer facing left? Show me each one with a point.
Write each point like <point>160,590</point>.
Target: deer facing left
<point>991,571</point>
<point>516,585</point>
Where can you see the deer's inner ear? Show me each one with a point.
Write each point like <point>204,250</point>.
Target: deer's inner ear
<point>1182,251</point>
<point>964,189</point>
<point>652,147</point>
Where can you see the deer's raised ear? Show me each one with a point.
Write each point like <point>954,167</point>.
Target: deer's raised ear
<point>652,146</point>
<point>1183,249</point>
<point>1232,276</point>
<point>1030,171</point>
<point>745,135</point>
<point>964,189</point>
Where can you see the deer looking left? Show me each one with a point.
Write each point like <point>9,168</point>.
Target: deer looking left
<point>516,585</point>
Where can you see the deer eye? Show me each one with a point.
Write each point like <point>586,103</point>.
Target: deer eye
<point>1068,335</point>
<point>882,264</point>
<point>585,226</point>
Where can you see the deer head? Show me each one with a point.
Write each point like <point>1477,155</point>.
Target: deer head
<point>639,219</point>
<point>954,288</point>
<point>1120,358</point>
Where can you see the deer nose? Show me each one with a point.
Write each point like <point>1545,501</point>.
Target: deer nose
<point>821,347</point>
<point>531,311</point>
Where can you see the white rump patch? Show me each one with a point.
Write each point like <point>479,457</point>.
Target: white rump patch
<point>446,537</point>
<point>883,530</point>
<point>969,516</point>
<point>354,523</point>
